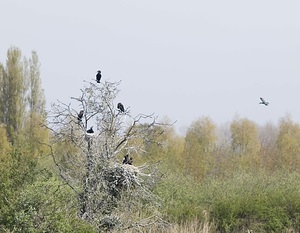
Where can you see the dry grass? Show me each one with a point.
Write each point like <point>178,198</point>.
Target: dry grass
<point>193,226</point>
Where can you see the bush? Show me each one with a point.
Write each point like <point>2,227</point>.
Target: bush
<point>257,201</point>
<point>260,202</point>
<point>44,206</point>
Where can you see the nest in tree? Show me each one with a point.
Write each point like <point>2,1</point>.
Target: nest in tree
<point>109,222</point>
<point>122,177</point>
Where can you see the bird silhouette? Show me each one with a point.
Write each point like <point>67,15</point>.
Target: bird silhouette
<point>90,130</point>
<point>130,161</point>
<point>121,107</point>
<point>263,101</point>
<point>80,115</point>
<point>98,76</point>
<point>125,159</point>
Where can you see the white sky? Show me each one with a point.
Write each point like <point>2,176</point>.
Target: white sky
<point>180,59</point>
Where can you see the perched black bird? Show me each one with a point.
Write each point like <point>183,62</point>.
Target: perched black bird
<point>121,107</point>
<point>90,130</point>
<point>130,161</point>
<point>263,101</point>
<point>80,115</point>
<point>98,76</point>
<point>125,159</point>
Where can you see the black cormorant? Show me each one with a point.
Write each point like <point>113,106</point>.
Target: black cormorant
<point>120,107</point>
<point>125,159</point>
<point>90,130</point>
<point>80,115</point>
<point>130,161</point>
<point>98,76</point>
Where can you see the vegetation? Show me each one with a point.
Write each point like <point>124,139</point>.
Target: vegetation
<point>109,193</point>
<point>55,177</point>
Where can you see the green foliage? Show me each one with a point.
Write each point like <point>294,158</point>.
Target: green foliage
<point>44,206</point>
<point>261,202</point>
<point>12,93</point>
<point>22,101</point>
<point>269,153</point>
<point>200,141</point>
<point>258,201</point>
<point>257,190</point>
<point>289,144</point>
<point>182,199</point>
<point>5,146</point>
<point>244,137</point>
<point>17,170</point>
<point>31,200</point>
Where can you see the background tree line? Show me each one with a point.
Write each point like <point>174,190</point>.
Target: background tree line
<point>243,175</point>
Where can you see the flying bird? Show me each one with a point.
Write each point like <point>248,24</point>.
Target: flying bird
<point>80,115</point>
<point>90,130</point>
<point>98,76</point>
<point>263,101</point>
<point>121,107</point>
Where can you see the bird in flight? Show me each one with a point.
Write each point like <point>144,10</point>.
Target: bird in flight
<point>121,107</point>
<point>263,101</point>
<point>98,76</point>
<point>80,115</point>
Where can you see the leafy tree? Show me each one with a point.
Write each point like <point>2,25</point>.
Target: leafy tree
<point>173,158</point>
<point>39,208</point>
<point>268,135</point>
<point>3,79</point>
<point>288,143</point>
<point>12,93</point>
<point>245,142</point>
<point>36,97</point>
<point>19,134</point>
<point>200,142</point>
<point>244,136</point>
<point>91,163</point>
<point>36,114</point>
<point>5,146</point>
<point>22,99</point>
<point>18,169</point>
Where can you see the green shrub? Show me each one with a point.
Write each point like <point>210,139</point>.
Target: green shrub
<point>261,202</point>
<point>44,206</point>
<point>257,201</point>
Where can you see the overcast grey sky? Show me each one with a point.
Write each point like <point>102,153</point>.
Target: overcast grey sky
<point>181,59</point>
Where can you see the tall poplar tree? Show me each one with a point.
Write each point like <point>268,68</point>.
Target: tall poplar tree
<point>36,115</point>
<point>22,102</point>
<point>13,102</point>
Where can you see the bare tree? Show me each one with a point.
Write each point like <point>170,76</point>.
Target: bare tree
<point>90,159</point>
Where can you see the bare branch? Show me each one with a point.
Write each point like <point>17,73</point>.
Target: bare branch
<point>90,163</point>
<point>56,163</point>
